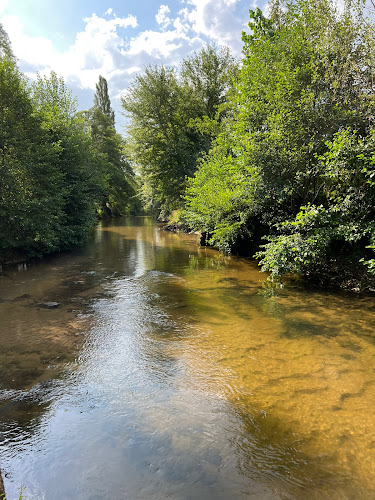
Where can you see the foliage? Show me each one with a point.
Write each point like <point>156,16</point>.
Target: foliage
<point>75,158</point>
<point>101,99</point>
<point>55,169</point>
<point>31,196</point>
<point>118,183</point>
<point>173,120</point>
<point>344,230</point>
<point>158,137</point>
<point>209,75</point>
<point>220,198</point>
<point>5,46</point>
<point>300,134</point>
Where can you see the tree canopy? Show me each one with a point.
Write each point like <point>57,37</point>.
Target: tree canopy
<point>171,115</point>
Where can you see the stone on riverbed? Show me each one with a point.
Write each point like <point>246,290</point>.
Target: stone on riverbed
<point>49,305</point>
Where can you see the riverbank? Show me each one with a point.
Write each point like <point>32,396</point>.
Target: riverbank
<point>337,276</point>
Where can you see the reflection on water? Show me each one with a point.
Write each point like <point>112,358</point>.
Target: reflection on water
<point>164,374</point>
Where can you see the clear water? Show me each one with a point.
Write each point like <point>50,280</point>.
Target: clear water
<point>164,374</point>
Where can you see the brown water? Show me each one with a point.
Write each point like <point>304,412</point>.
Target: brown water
<point>164,374</point>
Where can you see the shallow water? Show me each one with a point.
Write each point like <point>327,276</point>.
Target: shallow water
<point>165,374</point>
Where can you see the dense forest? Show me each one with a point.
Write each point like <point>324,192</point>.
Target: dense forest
<point>272,155</point>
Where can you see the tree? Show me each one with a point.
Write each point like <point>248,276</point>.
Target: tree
<point>173,121</point>
<point>119,185</point>
<point>210,75</point>
<point>54,169</point>
<point>31,189</point>
<point>157,135</point>
<point>74,157</point>
<point>102,101</point>
<point>5,45</point>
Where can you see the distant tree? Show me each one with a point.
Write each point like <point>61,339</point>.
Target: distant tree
<point>101,99</point>
<point>119,185</point>
<point>210,75</point>
<point>158,136</point>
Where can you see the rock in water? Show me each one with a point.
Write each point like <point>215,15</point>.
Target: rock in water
<point>49,305</point>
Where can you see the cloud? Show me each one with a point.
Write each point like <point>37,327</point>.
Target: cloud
<point>160,44</point>
<point>110,47</point>
<point>162,17</point>
<point>3,4</point>
<point>38,52</point>
<point>91,54</point>
<point>218,20</point>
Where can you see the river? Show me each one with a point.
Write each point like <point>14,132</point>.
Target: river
<point>165,374</point>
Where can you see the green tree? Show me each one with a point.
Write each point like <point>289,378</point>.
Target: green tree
<point>209,74</point>
<point>119,186</point>
<point>158,138</point>
<point>75,158</point>
<point>51,172</point>
<point>5,45</point>
<point>173,121</point>
<point>101,99</point>
<point>31,185</point>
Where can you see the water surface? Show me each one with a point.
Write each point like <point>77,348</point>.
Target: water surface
<point>165,374</point>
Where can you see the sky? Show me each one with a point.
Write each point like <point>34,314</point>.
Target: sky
<point>82,39</point>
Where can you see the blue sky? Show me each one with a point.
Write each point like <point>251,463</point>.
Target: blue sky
<point>82,39</point>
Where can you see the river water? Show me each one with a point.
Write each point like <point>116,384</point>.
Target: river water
<point>165,374</point>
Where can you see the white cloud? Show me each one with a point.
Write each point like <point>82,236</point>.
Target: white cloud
<point>217,20</point>
<point>3,4</point>
<point>160,44</point>
<point>36,51</point>
<point>162,16</point>
<point>109,46</point>
<point>92,53</point>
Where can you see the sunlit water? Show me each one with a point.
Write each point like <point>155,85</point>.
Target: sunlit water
<point>165,374</point>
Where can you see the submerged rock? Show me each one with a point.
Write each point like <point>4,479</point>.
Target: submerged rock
<point>49,305</point>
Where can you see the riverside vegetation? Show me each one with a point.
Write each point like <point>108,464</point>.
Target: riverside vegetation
<point>272,155</point>
<point>290,143</point>
<point>58,167</point>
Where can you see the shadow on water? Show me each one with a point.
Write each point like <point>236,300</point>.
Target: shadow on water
<point>163,356</point>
